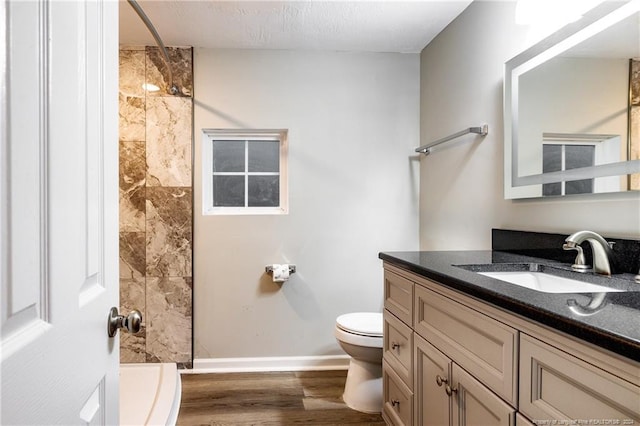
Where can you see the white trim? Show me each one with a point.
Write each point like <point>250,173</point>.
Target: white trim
<point>292,363</point>
<point>5,196</point>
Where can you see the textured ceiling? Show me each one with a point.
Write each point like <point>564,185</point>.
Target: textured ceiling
<point>369,26</point>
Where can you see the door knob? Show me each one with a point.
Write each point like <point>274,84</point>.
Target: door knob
<point>449,390</point>
<point>130,323</point>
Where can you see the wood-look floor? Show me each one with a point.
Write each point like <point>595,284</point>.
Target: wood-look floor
<point>279,398</point>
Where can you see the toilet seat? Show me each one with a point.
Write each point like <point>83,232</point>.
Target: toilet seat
<point>361,323</point>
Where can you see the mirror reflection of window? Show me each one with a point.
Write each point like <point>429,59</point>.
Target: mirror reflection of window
<point>560,157</point>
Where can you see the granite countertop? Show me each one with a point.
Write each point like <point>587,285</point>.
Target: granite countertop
<point>615,325</point>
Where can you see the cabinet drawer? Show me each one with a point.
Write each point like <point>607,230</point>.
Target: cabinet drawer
<point>398,347</point>
<point>557,386</point>
<point>398,296</point>
<point>397,407</point>
<point>478,343</point>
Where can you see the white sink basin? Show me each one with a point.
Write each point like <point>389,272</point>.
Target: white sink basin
<point>547,283</point>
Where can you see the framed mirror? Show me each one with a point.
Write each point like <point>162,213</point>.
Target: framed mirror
<point>572,108</point>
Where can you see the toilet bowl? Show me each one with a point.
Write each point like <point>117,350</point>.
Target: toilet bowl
<point>360,336</point>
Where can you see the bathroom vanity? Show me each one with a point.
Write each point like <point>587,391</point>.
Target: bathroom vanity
<point>465,348</point>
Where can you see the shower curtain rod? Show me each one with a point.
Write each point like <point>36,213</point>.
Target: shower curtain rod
<point>173,89</point>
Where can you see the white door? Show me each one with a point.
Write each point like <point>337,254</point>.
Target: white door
<point>58,212</point>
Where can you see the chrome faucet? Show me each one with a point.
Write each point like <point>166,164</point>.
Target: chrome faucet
<point>600,248</point>
<point>597,303</point>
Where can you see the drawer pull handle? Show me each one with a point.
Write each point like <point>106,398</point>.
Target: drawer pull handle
<point>440,380</point>
<point>449,390</point>
<point>395,345</point>
<point>395,403</point>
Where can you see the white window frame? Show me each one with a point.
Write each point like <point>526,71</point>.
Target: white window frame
<point>210,135</point>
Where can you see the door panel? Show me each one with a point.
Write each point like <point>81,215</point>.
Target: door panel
<point>24,308</point>
<point>431,401</point>
<point>475,404</point>
<point>59,196</point>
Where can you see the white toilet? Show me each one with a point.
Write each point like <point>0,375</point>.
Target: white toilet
<point>360,336</point>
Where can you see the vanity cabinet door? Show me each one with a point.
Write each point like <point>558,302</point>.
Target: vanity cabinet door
<point>557,386</point>
<point>432,403</point>
<point>445,394</point>
<point>475,404</point>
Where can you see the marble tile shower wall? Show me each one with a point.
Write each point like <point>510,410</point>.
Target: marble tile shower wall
<point>156,204</point>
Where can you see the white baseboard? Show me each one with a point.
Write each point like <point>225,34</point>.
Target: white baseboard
<point>292,363</point>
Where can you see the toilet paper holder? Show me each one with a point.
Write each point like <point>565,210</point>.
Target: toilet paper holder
<point>269,269</point>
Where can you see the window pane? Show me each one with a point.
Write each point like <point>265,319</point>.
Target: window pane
<point>551,162</point>
<point>583,186</point>
<point>264,191</point>
<point>228,156</point>
<point>549,189</point>
<point>551,158</point>
<point>228,191</point>
<point>579,156</point>
<point>264,156</point>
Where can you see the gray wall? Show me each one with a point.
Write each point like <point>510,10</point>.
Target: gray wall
<point>353,121</point>
<point>461,185</point>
